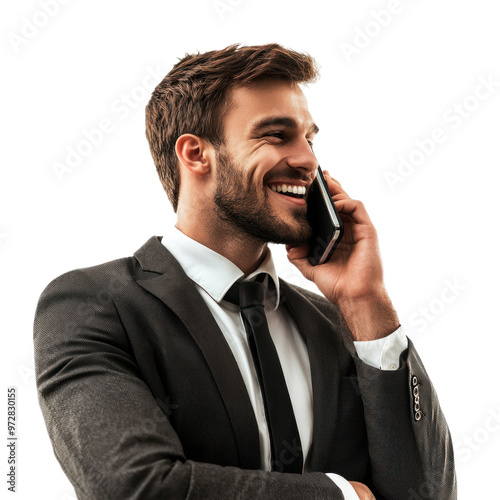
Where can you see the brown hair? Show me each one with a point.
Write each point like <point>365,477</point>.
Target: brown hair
<point>192,98</point>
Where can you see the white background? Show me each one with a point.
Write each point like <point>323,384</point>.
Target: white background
<point>438,228</point>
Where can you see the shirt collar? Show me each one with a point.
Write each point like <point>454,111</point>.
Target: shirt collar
<point>210,270</point>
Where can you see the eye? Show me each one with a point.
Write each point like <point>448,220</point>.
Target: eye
<point>281,135</point>
<point>278,135</point>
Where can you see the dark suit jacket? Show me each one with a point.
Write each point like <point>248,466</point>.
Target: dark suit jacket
<point>143,398</point>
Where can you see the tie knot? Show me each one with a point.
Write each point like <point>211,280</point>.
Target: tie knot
<point>247,293</point>
<point>252,293</point>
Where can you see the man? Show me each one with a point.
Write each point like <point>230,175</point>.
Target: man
<point>151,372</point>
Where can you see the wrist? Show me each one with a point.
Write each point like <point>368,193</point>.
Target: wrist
<point>371,317</point>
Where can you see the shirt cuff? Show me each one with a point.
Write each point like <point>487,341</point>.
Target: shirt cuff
<point>383,353</point>
<point>344,485</point>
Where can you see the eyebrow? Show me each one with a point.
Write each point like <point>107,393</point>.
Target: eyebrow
<point>284,121</point>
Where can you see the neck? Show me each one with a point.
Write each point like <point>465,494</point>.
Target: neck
<point>244,252</point>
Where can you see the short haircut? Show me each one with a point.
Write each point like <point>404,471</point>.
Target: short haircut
<point>193,97</point>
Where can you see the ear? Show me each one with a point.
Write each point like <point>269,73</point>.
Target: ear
<point>193,154</point>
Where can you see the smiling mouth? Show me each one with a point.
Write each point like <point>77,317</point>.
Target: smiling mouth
<point>289,190</point>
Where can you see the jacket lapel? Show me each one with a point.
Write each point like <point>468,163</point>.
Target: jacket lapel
<point>323,347</point>
<point>179,293</point>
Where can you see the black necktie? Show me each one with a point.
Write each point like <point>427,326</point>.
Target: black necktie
<point>286,449</point>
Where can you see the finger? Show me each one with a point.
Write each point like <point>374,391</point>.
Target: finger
<point>297,255</point>
<point>354,209</point>
<point>297,251</point>
<point>340,196</point>
<point>334,186</point>
<point>327,174</point>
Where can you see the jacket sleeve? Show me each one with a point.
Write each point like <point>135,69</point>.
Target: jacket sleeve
<point>408,438</point>
<point>111,437</point>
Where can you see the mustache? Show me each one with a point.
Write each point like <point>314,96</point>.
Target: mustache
<point>289,173</point>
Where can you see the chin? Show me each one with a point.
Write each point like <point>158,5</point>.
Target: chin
<point>287,235</point>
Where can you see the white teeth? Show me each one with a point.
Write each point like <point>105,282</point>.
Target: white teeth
<point>283,188</point>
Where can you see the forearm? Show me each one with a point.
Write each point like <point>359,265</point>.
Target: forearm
<point>113,442</point>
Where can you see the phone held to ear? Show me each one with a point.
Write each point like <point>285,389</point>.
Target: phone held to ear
<point>325,222</point>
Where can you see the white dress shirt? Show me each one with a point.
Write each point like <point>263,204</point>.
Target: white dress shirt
<point>213,275</point>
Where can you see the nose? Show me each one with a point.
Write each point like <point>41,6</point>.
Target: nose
<point>302,157</point>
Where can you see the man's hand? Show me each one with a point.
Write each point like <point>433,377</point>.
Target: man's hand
<point>353,277</point>
<point>362,491</point>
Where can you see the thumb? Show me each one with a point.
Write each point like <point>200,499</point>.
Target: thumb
<point>297,255</point>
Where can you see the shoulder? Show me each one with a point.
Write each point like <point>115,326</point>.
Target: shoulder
<point>108,277</point>
<point>116,275</point>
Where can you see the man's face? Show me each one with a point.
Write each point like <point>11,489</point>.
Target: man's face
<point>267,165</point>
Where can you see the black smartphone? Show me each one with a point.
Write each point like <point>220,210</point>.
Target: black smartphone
<point>325,222</point>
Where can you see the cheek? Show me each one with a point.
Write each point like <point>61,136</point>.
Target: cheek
<point>254,176</point>
<point>265,171</point>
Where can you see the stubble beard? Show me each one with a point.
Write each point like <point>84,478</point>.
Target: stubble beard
<point>246,208</point>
